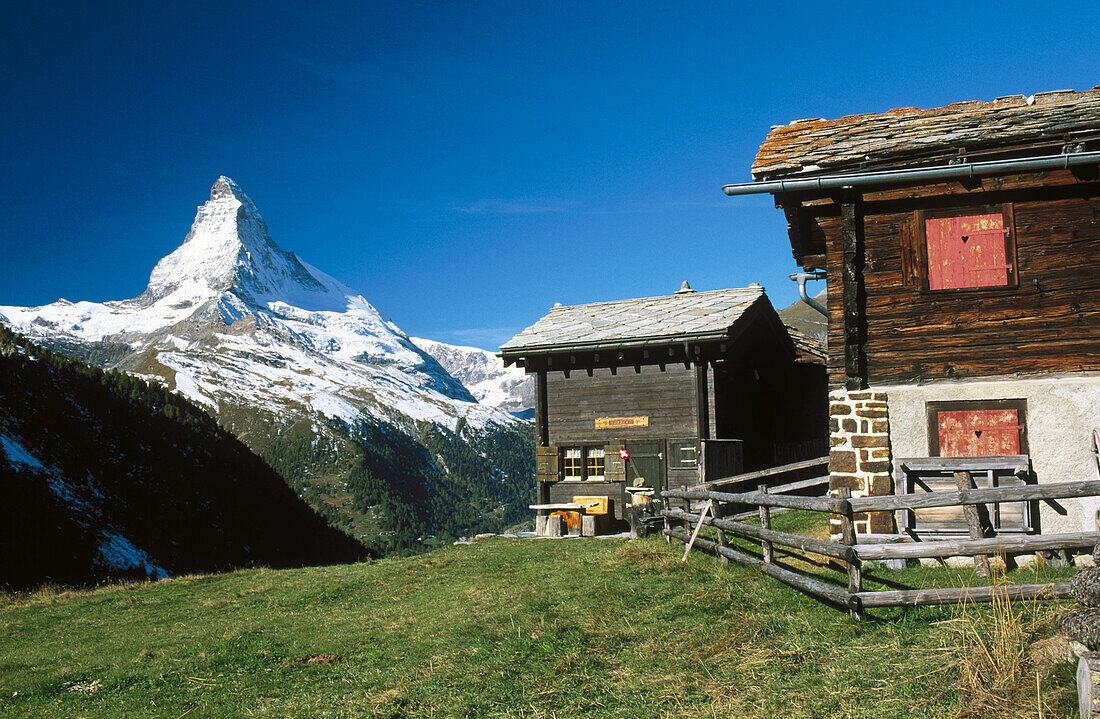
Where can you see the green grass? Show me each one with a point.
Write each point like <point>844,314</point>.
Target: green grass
<point>502,628</point>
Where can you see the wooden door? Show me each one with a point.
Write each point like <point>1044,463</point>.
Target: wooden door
<point>645,468</point>
<point>979,432</point>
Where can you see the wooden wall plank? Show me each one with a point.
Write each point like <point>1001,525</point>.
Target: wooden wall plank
<point>667,398</point>
<point>1049,322</point>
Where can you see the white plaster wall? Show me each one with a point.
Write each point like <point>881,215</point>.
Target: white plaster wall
<point>1061,414</point>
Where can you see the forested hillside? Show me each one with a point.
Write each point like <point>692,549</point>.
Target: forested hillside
<point>399,492</point>
<point>105,476</point>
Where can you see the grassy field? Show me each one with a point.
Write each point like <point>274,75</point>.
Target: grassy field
<point>518,628</point>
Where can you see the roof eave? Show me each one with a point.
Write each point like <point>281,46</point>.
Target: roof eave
<point>631,343</point>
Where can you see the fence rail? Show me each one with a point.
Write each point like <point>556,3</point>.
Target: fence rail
<point>684,525</point>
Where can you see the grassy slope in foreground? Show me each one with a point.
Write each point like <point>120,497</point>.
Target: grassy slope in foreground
<point>503,628</point>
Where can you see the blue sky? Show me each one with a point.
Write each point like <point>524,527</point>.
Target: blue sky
<point>464,165</point>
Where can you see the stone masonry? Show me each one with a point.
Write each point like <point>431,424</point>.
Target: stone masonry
<point>859,454</point>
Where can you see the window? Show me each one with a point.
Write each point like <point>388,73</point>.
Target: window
<point>573,468</point>
<point>583,463</point>
<point>593,464</point>
<point>968,248</point>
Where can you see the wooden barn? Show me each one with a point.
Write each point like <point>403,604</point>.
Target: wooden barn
<point>961,247</point>
<point>644,394</point>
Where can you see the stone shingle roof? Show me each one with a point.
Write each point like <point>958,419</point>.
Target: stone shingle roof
<point>810,347</point>
<point>622,322</point>
<point>909,135</point>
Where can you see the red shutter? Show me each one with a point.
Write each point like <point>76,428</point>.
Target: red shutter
<point>966,252</point>
<point>979,432</point>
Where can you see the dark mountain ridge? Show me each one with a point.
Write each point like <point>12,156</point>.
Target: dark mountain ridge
<point>108,477</point>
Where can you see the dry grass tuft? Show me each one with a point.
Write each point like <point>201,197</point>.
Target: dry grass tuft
<point>319,659</point>
<point>1005,654</point>
<point>646,553</point>
<point>1047,655</point>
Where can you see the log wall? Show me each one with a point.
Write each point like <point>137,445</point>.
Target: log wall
<point>667,398</point>
<point>1048,323</point>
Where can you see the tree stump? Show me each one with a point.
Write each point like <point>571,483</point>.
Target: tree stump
<point>540,525</point>
<point>588,525</point>
<point>1085,586</point>
<point>554,526</point>
<point>1081,626</point>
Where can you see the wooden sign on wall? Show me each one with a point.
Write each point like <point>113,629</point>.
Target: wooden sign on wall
<point>620,422</point>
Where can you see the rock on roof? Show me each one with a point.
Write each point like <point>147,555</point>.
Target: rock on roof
<point>909,135</point>
<point>695,315</point>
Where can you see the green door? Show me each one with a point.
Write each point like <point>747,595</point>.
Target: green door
<point>645,468</point>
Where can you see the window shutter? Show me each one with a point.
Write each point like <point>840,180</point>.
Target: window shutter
<point>614,467</point>
<point>546,464</point>
<point>967,251</point>
<point>979,432</point>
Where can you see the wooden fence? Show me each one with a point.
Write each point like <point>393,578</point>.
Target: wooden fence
<point>852,555</point>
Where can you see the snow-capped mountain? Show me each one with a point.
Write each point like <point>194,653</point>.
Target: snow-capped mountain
<point>278,350</point>
<point>484,375</point>
<point>230,318</point>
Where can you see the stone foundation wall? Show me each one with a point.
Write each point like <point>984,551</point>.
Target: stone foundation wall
<point>859,454</point>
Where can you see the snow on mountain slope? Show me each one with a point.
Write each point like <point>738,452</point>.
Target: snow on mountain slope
<point>230,319</point>
<point>484,374</point>
<point>114,551</point>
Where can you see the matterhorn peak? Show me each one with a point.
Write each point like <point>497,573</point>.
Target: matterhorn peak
<point>229,250</point>
<point>224,187</point>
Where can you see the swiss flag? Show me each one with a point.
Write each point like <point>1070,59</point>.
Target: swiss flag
<point>623,453</point>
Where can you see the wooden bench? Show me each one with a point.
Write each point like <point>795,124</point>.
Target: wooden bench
<point>543,526</point>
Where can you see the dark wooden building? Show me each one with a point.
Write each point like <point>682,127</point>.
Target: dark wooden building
<point>961,246</point>
<point>690,385</point>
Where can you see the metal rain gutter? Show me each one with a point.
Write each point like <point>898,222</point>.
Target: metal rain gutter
<point>939,172</point>
<point>800,278</point>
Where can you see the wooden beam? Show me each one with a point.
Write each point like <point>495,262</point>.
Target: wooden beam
<point>1011,493</point>
<point>806,544</point>
<point>852,281</point>
<point>959,595</point>
<point>813,587</point>
<point>541,412</point>
<point>749,476</point>
<point>964,547</point>
<point>815,504</point>
<point>702,405</point>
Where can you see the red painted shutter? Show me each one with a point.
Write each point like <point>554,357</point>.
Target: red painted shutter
<point>979,432</point>
<point>966,252</point>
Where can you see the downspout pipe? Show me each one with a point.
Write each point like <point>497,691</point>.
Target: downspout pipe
<point>919,174</point>
<point>800,278</point>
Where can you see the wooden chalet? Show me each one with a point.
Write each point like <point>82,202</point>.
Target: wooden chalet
<point>961,247</point>
<point>689,385</point>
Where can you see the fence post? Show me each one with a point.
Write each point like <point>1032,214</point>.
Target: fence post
<point>766,523</point>
<point>716,512</point>
<point>848,536</point>
<point>974,524</point>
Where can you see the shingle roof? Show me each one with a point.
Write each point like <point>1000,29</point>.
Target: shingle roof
<point>909,134</point>
<point>623,322</point>
<point>810,347</point>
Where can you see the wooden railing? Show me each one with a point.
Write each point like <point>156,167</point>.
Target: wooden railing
<point>852,555</point>
<point>753,478</point>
